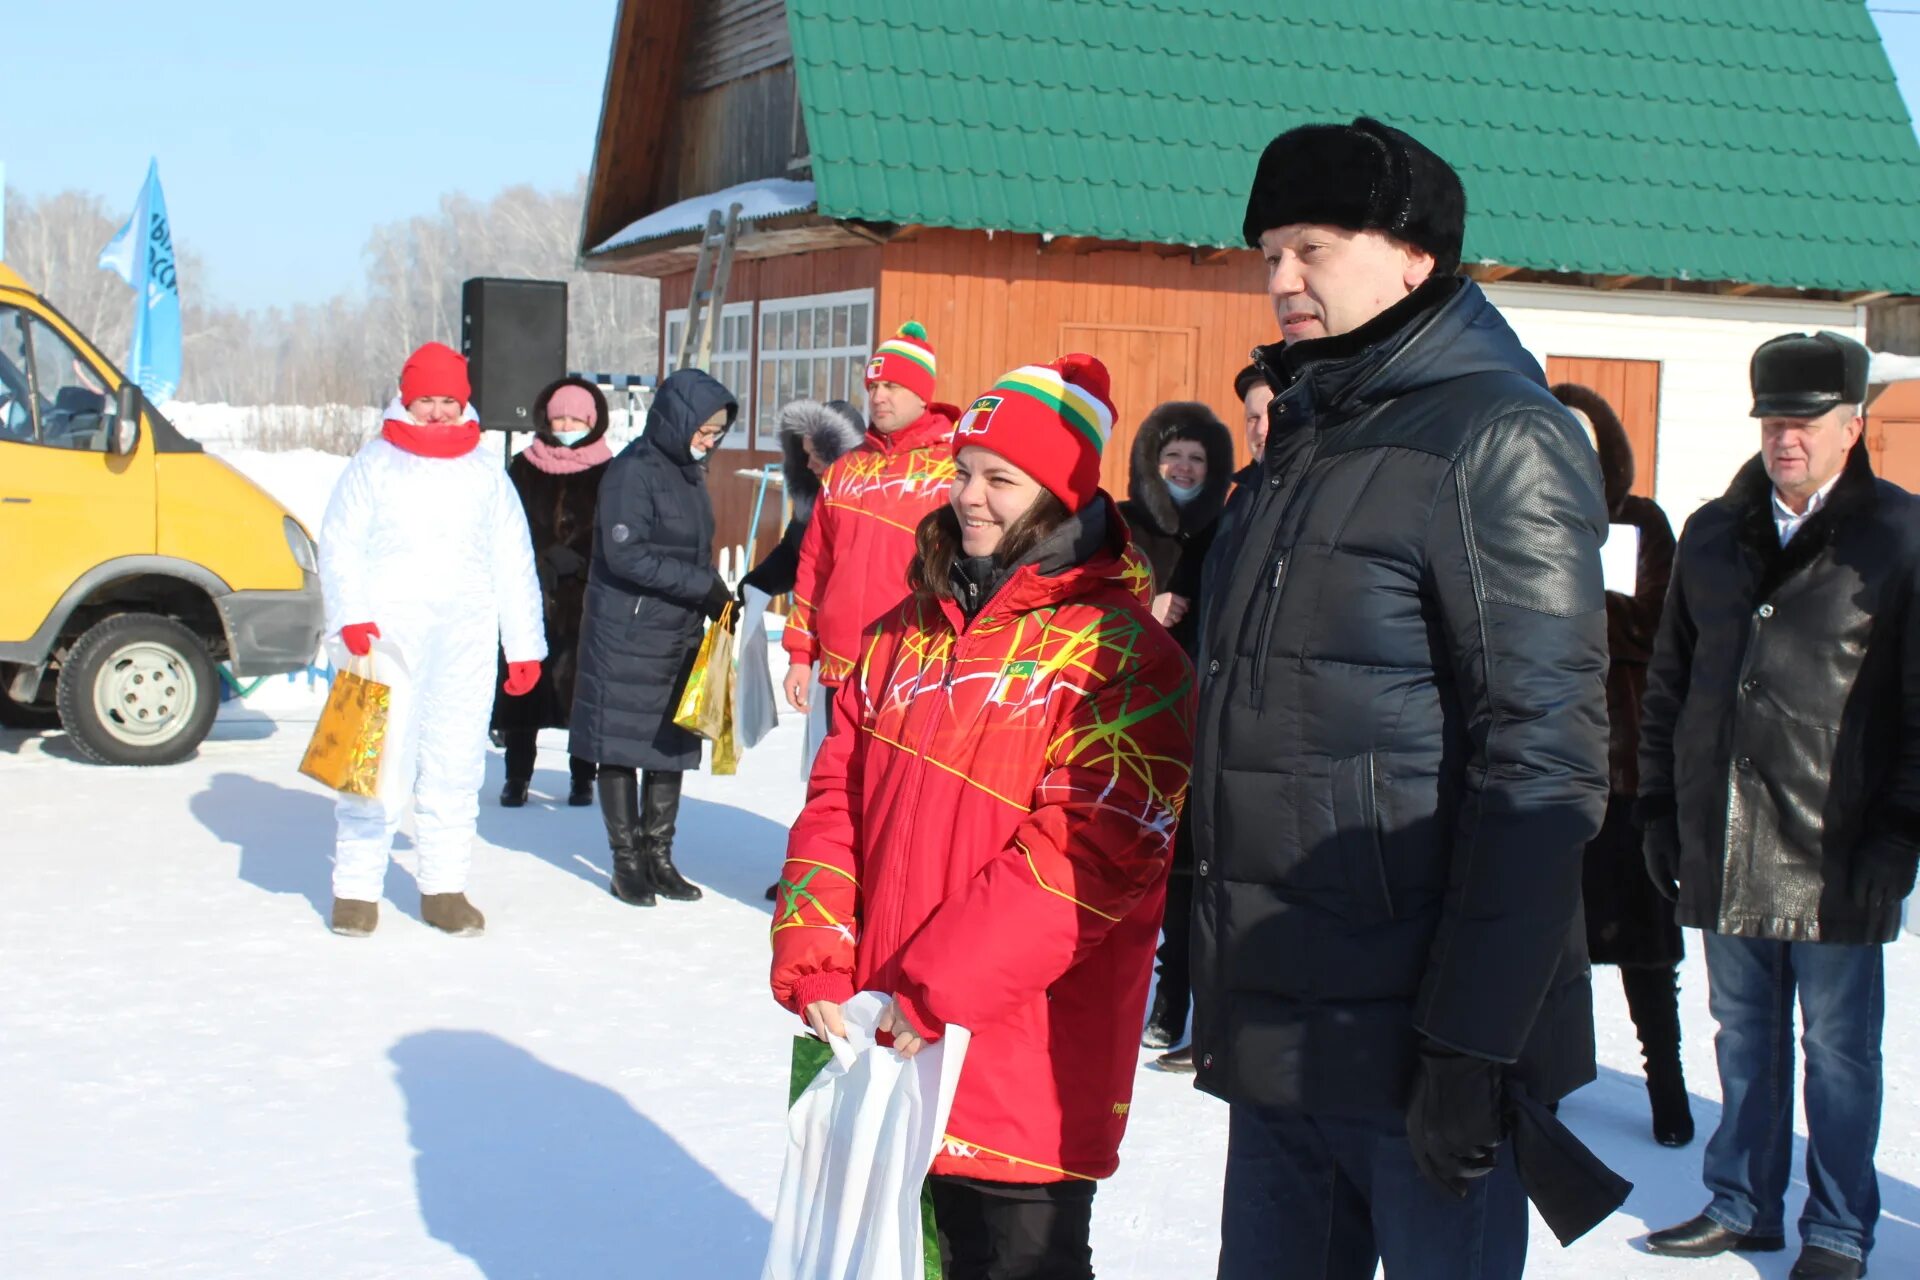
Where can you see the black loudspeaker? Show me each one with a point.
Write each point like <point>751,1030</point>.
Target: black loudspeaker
<point>514,336</point>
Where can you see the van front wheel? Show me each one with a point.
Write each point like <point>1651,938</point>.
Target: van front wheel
<point>138,689</point>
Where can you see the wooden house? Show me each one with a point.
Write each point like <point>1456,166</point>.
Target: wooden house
<point>1026,179</point>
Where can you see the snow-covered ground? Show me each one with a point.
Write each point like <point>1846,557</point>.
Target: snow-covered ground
<point>198,1080</point>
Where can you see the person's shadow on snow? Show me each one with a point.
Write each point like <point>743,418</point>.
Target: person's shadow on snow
<point>1611,1116</point>
<point>285,836</point>
<point>531,1171</point>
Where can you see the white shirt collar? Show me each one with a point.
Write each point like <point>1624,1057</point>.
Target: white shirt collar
<point>1787,522</point>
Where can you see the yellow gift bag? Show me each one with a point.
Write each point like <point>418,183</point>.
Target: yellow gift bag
<point>706,705</point>
<point>351,737</point>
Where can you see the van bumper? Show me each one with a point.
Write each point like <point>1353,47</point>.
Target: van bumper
<point>271,633</point>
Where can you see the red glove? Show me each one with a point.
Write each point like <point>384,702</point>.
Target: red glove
<point>359,638</point>
<point>521,677</point>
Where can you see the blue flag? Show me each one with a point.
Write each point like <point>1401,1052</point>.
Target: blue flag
<point>142,255</point>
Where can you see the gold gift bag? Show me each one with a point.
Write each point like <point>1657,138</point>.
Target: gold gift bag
<point>351,737</point>
<point>707,700</point>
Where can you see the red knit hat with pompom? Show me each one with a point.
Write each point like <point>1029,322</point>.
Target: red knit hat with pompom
<point>435,370</point>
<point>1050,420</point>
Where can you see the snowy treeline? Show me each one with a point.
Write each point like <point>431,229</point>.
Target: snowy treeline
<point>347,350</point>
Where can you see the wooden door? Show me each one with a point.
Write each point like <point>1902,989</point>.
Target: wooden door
<point>1149,366</point>
<point>1893,435</point>
<point>1632,387</point>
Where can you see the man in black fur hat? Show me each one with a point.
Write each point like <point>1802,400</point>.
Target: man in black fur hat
<point>1780,795</point>
<point>1403,749</point>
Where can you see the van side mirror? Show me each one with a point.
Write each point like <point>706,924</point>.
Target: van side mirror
<point>125,435</point>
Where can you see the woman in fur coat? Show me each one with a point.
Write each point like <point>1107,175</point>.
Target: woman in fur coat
<point>1182,468</point>
<point>1628,923</point>
<point>812,437</point>
<point>558,480</point>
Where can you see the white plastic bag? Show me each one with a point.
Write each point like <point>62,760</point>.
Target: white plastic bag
<point>754,713</point>
<point>819,703</point>
<point>860,1139</point>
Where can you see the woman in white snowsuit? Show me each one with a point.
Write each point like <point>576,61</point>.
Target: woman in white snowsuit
<point>427,566</point>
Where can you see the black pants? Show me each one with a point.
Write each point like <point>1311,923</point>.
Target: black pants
<point>1172,961</point>
<point>1013,1231</point>
<point>522,746</point>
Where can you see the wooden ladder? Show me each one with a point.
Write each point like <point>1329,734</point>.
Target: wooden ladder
<point>709,296</point>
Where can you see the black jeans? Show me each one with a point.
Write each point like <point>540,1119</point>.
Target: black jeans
<point>523,744</point>
<point>1013,1231</point>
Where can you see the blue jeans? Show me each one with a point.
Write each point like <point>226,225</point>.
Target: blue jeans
<point>1324,1198</point>
<point>1843,998</point>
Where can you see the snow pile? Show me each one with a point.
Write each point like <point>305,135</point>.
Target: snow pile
<point>197,1079</point>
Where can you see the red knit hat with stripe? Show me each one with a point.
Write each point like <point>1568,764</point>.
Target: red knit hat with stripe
<point>907,359</point>
<point>1050,420</point>
<point>435,370</point>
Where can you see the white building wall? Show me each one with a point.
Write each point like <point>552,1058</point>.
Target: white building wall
<point>1703,344</point>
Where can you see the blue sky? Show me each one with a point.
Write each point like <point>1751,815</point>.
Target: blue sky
<point>284,140</point>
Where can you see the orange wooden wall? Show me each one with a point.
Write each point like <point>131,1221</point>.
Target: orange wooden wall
<point>1632,388</point>
<point>1167,329</point>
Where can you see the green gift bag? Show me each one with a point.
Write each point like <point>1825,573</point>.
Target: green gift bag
<point>809,1056</point>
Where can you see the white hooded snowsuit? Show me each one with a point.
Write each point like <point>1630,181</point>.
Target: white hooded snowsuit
<point>435,552</point>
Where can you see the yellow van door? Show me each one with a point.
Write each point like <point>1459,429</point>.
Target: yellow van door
<point>66,503</point>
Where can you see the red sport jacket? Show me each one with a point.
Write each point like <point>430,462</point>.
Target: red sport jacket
<point>987,835</point>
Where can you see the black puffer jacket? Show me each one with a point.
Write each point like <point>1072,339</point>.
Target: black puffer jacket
<point>1782,716</point>
<point>834,429</point>
<point>1403,735</point>
<point>1175,538</point>
<point>652,570</point>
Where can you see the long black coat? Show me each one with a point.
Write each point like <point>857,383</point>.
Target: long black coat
<point>1402,737</point>
<point>834,429</point>
<point>1783,708</point>
<point>560,511</point>
<point>652,573</point>
<point>1175,538</point>
<point>1628,921</point>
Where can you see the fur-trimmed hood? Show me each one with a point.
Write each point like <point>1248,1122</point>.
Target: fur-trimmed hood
<point>544,429</point>
<point>1147,489</point>
<point>1610,438</point>
<point>835,429</point>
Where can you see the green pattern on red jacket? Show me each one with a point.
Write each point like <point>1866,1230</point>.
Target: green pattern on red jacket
<point>987,835</point>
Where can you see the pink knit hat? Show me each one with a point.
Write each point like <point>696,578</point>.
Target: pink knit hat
<point>573,401</point>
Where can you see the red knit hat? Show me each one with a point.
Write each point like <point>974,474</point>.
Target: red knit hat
<point>905,358</point>
<point>435,370</point>
<point>1050,420</point>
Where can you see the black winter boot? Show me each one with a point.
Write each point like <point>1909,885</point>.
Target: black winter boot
<point>580,795</point>
<point>514,794</point>
<point>1165,1023</point>
<point>1653,999</point>
<point>620,807</point>
<point>659,810</point>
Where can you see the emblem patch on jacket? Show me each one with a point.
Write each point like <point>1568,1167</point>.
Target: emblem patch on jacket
<point>1016,680</point>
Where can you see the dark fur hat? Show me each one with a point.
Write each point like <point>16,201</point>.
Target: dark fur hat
<point>1364,176</point>
<point>1610,438</point>
<point>1147,488</point>
<point>834,428</point>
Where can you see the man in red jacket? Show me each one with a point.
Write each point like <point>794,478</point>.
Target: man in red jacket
<point>853,561</point>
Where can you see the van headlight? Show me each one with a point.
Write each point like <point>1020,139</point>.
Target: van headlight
<point>300,544</point>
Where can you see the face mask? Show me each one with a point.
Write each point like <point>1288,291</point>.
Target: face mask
<point>699,454</point>
<point>571,438</point>
<point>1185,493</point>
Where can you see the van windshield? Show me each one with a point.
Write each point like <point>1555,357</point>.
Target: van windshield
<point>48,394</point>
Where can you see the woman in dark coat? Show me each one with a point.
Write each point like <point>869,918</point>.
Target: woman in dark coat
<point>812,437</point>
<point>1182,467</point>
<point>651,583</point>
<point>1628,923</point>
<point>558,480</point>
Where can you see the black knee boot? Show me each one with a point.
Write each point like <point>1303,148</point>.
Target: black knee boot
<point>1653,998</point>
<point>659,809</point>
<point>620,806</point>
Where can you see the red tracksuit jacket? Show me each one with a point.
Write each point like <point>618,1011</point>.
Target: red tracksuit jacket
<point>987,834</point>
<point>854,557</point>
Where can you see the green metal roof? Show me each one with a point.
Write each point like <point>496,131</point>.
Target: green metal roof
<point>1761,141</point>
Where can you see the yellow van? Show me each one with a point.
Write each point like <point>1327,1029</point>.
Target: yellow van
<point>130,559</point>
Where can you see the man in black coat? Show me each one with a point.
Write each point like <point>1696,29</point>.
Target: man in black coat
<point>1780,787</point>
<point>1402,747</point>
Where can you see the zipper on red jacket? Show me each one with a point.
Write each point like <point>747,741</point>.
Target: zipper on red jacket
<point>919,784</point>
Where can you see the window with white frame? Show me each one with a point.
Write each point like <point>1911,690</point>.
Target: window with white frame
<point>732,363</point>
<point>812,348</point>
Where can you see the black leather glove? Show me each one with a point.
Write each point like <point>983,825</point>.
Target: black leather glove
<point>1883,873</point>
<point>1660,845</point>
<point>565,560</point>
<point>1456,1116</point>
<point>718,598</point>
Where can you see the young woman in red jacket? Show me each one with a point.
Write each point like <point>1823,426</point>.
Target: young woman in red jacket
<point>988,827</point>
